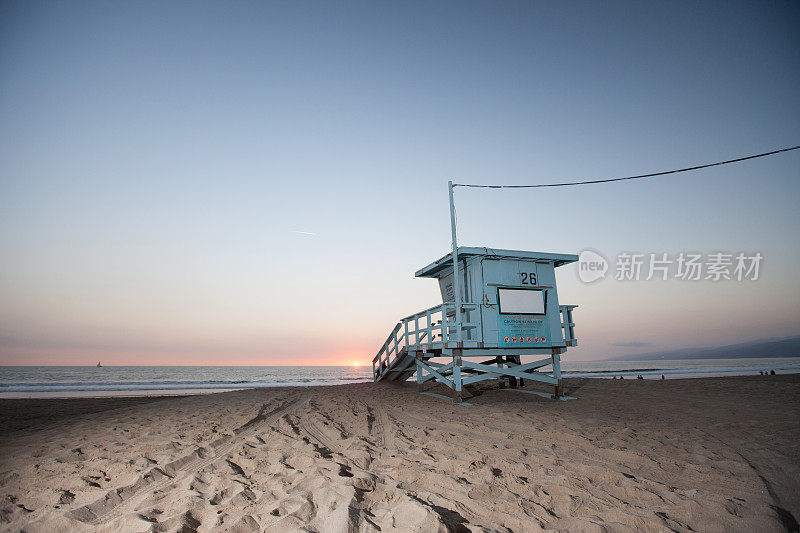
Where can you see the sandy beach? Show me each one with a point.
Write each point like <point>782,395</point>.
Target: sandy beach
<point>717,454</point>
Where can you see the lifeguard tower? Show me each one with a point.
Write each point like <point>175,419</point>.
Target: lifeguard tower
<point>509,309</point>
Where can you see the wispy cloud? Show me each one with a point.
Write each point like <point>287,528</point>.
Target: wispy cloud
<point>307,233</point>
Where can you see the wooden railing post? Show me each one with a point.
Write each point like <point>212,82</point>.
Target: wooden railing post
<point>428,327</point>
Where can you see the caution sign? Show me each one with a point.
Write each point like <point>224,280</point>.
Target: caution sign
<point>523,330</point>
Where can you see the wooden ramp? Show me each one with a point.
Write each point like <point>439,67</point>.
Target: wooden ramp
<point>403,366</point>
<point>429,333</point>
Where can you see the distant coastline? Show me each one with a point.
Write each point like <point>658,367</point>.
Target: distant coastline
<point>762,348</point>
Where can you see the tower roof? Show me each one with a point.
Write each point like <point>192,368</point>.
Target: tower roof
<point>431,270</point>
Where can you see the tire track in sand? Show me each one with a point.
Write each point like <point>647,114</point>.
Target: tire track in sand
<point>379,427</point>
<point>364,482</point>
<point>120,500</point>
<point>370,487</point>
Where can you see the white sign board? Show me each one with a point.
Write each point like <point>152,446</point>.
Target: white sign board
<point>521,301</point>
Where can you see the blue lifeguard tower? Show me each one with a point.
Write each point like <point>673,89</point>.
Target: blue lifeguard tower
<point>510,309</point>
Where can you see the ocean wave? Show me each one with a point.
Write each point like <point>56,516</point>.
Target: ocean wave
<point>193,383</point>
<point>110,387</point>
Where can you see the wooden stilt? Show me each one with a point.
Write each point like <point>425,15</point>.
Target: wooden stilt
<point>557,372</point>
<point>418,357</point>
<point>501,380</point>
<point>457,375</point>
<point>512,381</point>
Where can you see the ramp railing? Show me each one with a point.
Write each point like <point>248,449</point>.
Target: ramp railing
<point>431,329</point>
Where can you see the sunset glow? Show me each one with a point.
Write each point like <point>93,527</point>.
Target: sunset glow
<point>237,207</point>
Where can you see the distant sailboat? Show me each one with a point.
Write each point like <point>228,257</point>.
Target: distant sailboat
<point>98,364</point>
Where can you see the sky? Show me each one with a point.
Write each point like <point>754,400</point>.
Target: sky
<point>255,183</point>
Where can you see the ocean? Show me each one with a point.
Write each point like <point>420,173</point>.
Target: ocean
<point>82,381</point>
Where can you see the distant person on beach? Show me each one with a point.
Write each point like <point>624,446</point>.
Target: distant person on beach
<point>662,376</point>
<point>771,372</point>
